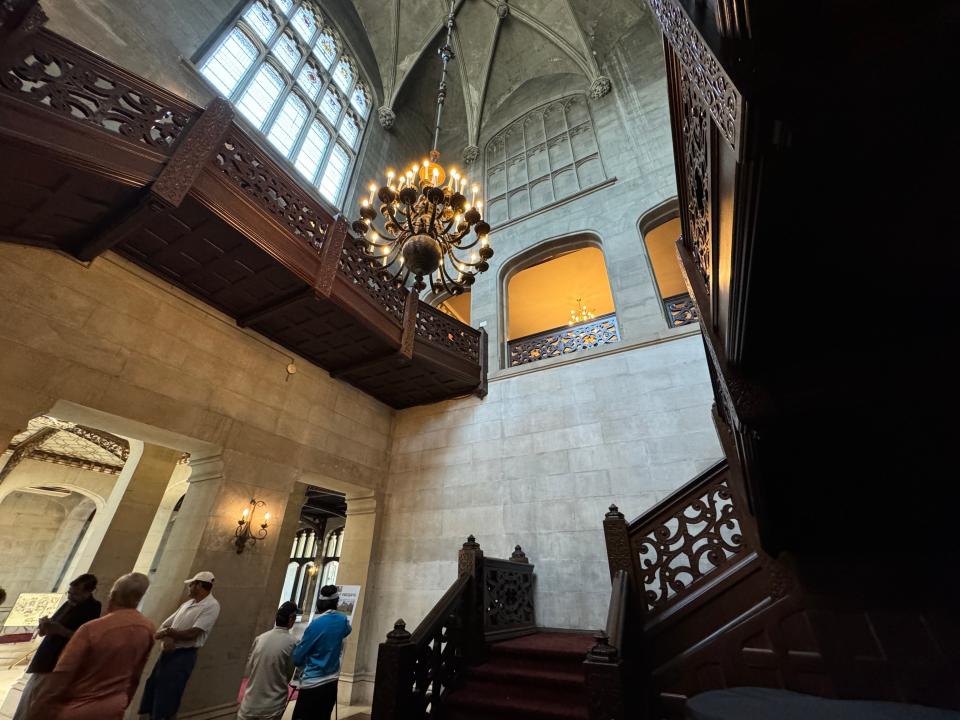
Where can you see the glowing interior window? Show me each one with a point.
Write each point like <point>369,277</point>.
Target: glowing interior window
<point>359,100</point>
<point>309,79</point>
<point>229,63</point>
<point>287,52</point>
<point>350,131</point>
<point>311,152</point>
<point>261,20</point>
<point>331,106</point>
<point>334,174</point>
<point>287,126</point>
<point>343,75</point>
<point>304,22</point>
<point>261,95</point>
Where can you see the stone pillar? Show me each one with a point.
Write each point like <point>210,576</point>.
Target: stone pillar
<point>359,541</point>
<point>124,537</point>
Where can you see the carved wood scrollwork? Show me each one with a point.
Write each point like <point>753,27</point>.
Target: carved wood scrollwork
<point>697,175</point>
<point>363,273</point>
<point>57,76</point>
<point>438,328</point>
<point>721,97</point>
<point>681,310</point>
<point>508,596</point>
<point>693,540</point>
<point>553,343</point>
<point>247,166</point>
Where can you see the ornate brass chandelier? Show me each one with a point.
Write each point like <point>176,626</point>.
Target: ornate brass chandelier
<point>426,217</point>
<point>580,314</point>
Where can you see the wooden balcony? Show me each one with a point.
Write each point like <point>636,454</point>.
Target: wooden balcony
<point>97,159</point>
<point>563,340</point>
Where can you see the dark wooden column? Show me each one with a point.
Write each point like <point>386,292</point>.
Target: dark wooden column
<point>172,185</point>
<point>393,691</point>
<point>470,563</point>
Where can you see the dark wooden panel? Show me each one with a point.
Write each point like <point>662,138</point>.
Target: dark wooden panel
<point>47,202</point>
<point>200,253</point>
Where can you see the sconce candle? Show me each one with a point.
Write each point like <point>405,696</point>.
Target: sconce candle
<point>244,536</point>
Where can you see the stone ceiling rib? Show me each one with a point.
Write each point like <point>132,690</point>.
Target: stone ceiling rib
<point>584,60</point>
<point>583,41</point>
<point>474,130</point>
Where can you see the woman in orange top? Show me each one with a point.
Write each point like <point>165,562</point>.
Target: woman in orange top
<point>99,670</point>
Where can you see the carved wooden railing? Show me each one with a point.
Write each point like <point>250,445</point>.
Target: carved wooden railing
<point>563,340</point>
<point>604,667</point>
<point>126,128</point>
<point>490,599</point>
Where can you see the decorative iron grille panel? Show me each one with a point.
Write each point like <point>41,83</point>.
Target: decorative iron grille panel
<point>681,310</point>
<point>561,341</point>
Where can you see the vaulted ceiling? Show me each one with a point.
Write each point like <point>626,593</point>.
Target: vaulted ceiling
<point>508,53</point>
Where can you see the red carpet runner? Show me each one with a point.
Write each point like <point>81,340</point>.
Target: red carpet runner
<point>537,677</point>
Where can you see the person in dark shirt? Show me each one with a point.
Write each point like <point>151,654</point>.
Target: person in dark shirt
<point>80,608</point>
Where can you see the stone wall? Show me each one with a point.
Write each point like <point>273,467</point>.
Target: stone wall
<point>537,463</point>
<point>38,533</point>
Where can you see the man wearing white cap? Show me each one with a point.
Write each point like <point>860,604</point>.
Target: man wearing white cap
<point>182,634</point>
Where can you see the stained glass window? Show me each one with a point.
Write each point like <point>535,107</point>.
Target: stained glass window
<point>333,176</point>
<point>287,52</point>
<point>258,17</point>
<point>230,61</point>
<point>330,106</point>
<point>288,123</point>
<point>359,100</point>
<point>281,66</point>
<point>343,75</point>
<point>304,22</point>
<point>325,49</point>
<point>310,80</point>
<point>350,131</point>
<point>311,152</point>
<point>261,95</point>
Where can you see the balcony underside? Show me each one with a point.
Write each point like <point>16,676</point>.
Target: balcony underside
<point>96,159</point>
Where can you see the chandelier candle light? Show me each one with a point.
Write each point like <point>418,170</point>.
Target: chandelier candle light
<point>426,217</point>
<point>580,314</point>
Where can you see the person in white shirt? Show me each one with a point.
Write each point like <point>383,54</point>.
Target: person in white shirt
<point>182,634</point>
<point>269,669</point>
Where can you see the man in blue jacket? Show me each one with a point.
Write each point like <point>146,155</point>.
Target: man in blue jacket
<point>318,653</point>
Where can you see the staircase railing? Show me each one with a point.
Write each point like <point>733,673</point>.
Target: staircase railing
<point>491,598</point>
<point>604,667</point>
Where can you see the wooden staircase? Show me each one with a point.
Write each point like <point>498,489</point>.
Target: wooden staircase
<point>538,676</point>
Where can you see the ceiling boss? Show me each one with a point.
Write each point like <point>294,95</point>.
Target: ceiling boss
<point>425,217</point>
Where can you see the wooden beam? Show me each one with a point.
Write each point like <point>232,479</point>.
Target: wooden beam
<point>330,256</point>
<point>172,185</point>
<point>269,309</point>
<point>373,363</point>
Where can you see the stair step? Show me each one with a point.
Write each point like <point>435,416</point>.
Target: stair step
<point>479,700</point>
<point>557,652</point>
<point>507,675</point>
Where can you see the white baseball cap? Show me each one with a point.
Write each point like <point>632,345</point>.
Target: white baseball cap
<point>202,576</point>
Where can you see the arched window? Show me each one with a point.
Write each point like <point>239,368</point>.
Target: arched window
<point>331,557</point>
<point>546,155</point>
<point>158,555</point>
<point>557,301</point>
<point>660,229</point>
<point>284,68</point>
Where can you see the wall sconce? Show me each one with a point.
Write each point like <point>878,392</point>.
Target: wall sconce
<point>244,536</point>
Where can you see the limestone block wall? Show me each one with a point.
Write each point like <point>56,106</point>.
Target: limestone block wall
<point>38,533</point>
<point>537,463</point>
<point>112,347</point>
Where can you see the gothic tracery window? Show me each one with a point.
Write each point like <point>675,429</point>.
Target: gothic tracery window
<point>546,155</point>
<point>283,67</point>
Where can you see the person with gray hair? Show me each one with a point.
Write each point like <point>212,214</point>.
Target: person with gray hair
<point>99,670</point>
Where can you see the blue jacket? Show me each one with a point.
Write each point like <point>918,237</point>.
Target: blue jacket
<point>319,650</point>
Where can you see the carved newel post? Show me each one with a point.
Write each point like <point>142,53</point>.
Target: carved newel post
<point>603,672</point>
<point>393,691</point>
<point>471,563</point>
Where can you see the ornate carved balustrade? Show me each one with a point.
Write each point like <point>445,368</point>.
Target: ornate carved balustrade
<point>491,599</point>
<point>103,160</point>
<point>681,310</point>
<point>561,341</point>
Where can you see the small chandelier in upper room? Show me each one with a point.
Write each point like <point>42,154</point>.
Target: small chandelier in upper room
<point>427,217</point>
<point>580,313</point>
